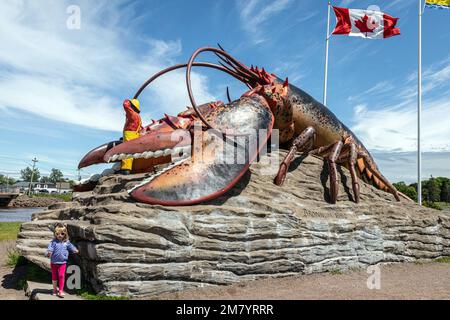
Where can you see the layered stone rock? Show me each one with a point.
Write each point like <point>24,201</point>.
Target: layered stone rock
<point>256,230</point>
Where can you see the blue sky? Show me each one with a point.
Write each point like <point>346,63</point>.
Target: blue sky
<point>61,89</point>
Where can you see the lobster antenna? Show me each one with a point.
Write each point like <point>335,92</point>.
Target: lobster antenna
<point>236,65</point>
<point>179,66</point>
<point>189,85</point>
<point>221,48</point>
<point>240,65</point>
<point>228,95</point>
<point>245,77</point>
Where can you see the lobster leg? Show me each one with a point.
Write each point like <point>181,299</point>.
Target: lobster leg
<point>332,152</point>
<point>321,151</point>
<point>351,156</point>
<point>374,170</point>
<point>332,157</point>
<point>307,136</point>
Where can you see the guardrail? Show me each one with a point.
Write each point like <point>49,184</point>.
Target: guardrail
<point>9,189</point>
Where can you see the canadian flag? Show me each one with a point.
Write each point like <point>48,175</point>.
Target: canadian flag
<point>365,23</point>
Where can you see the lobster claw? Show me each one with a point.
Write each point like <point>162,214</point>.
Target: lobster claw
<point>217,162</point>
<point>96,155</point>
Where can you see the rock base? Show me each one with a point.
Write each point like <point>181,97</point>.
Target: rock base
<point>24,201</point>
<point>256,230</point>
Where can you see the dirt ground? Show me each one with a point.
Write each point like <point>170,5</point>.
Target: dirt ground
<point>8,275</point>
<point>397,281</point>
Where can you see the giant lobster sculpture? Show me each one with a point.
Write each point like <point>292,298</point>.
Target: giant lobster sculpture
<point>197,174</point>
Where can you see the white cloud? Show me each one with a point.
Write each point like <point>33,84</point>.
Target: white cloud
<point>380,87</point>
<point>402,166</point>
<point>399,5</point>
<point>255,13</point>
<point>82,76</point>
<point>393,128</point>
<point>360,109</point>
<point>345,3</point>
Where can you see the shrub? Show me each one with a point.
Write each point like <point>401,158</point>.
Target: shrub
<point>432,205</point>
<point>14,259</point>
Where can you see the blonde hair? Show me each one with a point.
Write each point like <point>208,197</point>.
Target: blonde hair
<point>61,228</point>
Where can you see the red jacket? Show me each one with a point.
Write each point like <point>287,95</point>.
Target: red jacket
<point>133,119</point>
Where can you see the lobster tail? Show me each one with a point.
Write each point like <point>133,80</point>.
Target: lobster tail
<point>369,173</point>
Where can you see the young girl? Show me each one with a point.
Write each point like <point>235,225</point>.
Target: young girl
<point>58,251</point>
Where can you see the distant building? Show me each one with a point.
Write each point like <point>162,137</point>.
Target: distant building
<point>23,186</point>
<point>63,187</point>
<point>8,189</point>
<point>47,187</point>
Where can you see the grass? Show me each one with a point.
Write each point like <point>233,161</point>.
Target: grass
<point>9,230</point>
<point>93,296</point>
<point>443,260</point>
<point>86,292</point>
<point>14,259</point>
<point>65,196</point>
<point>336,271</point>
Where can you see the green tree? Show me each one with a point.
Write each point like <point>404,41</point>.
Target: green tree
<point>56,175</point>
<point>44,179</point>
<point>432,205</point>
<point>410,191</point>
<point>433,190</point>
<point>6,180</point>
<point>445,191</point>
<point>400,186</point>
<point>26,174</point>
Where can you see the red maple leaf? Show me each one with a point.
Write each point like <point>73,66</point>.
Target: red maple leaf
<point>366,26</point>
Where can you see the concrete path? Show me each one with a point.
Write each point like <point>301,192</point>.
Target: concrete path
<point>43,291</point>
<point>398,281</point>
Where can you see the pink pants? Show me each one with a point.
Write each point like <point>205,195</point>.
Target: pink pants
<point>58,274</point>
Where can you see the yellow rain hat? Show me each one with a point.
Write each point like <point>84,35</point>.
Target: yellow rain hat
<point>136,104</point>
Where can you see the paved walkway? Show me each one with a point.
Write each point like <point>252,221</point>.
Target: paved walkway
<point>399,281</point>
<point>43,291</point>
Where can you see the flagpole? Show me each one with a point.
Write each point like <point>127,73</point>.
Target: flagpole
<point>326,57</point>
<point>419,110</point>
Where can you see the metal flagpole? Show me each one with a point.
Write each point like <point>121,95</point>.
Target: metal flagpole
<point>326,57</point>
<point>419,109</point>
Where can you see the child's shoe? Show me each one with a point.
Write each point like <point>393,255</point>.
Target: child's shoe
<point>61,294</point>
